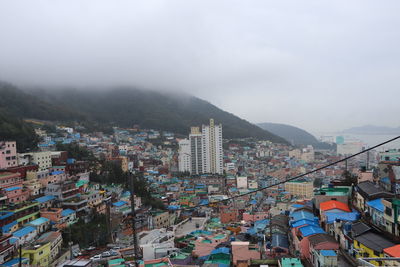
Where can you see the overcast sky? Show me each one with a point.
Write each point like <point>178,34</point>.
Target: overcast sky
<point>319,65</point>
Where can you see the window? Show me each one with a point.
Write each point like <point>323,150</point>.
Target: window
<point>388,211</point>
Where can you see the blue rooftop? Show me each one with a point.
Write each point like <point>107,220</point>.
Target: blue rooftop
<point>24,231</point>
<point>311,230</point>
<point>385,180</point>
<point>221,250</point>
<point>39,221</point>
<point>304,222</point>
<point>56,172</point>
<point>120,203</point>
<point>5,214</point>
<point>45,198</point>
<point>204,202</point>
<point>331,217</point>
<point>15,262</point>
<point>12,188</point>
<point>7,228</point>
<point>329,252</point>
<point>300,215</point>
<point>376,204</point>
<point>67,212</point>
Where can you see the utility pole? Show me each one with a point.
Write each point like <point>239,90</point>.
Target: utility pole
<point>135,241</point>
<point>20,255</point>
<point>107,202</point>
<point>270,231</point>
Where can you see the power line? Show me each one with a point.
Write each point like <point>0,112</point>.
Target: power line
<point>296,177</point>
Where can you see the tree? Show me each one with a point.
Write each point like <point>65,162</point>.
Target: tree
<point>349,178</point>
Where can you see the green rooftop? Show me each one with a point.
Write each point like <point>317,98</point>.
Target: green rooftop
<point>291,262</point>
<point>334,191</point>
<point>116,261</point>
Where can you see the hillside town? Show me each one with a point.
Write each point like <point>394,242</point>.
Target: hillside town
<point>149,198</point>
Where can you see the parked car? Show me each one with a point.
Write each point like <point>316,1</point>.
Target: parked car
<point>96,257</point>
<point>105,254</point>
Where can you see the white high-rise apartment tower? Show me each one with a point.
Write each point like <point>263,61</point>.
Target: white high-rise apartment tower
<point>196,151</point>
<point>212,148</point>
<point>184,157</point>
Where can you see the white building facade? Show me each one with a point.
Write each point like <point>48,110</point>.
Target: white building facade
<point>212,148</point>
<point>184,157</point>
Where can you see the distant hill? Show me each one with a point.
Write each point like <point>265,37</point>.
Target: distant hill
<point>15,129</point>
<point>372,129</point>
<point>294,135</point>
<point>125,107</point>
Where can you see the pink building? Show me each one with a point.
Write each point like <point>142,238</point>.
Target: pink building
<point>365,176</point>
<point>252,217</point>
<point>204,245</point>
<point>8,154</point>
<point>16,194</point>
<point>10,179</point>
<point>243,251</point>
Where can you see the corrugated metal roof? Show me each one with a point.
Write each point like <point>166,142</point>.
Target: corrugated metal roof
<point>39,221</point>
<point>67,212</point>
<point>45,198</point>
<point>311,230</point>
<point>24,231</point>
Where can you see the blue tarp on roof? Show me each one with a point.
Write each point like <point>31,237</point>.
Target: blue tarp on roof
<point>173,207</point>
<point>331,217</point>
<point>376,204</point>
<point>253,202</point>
<point>24,231</point>
<point>385,180</point>
<point>300,215</point>
<point>221,250</point>
<point>120,203</point>
<point>311,230</point>
<point>5,214</point>
<point>56,172</point>
<point>326,252</point>
<point>45,198</point>
<point>296,206</point>
<point>204,202</point>
<point>7,228</point>
<point>304,222</point>
<point>39,221</point>
<point>12,188</point>
<point>67,212</point>
<point>15,262</point>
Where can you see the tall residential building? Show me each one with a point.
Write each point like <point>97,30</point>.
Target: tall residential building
<point>212,148</point>
<point>184,158</point>
<point>196,150</point>
<point>8,154</point>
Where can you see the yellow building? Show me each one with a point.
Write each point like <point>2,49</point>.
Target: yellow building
<point>371,245</point>
<point>301,189</point>
<point>38,254</point>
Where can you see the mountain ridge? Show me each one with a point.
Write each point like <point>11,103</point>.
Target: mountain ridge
<point>294,135</point>
<point>125,107</point>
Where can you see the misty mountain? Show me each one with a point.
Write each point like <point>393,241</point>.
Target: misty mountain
<point>372,129</point>
<point>125,107</point>
<point>294,135</point>
<point>15,129</point>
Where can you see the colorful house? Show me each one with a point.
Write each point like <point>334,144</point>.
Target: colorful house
<point>38,254</point>
<point>244,252</point>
